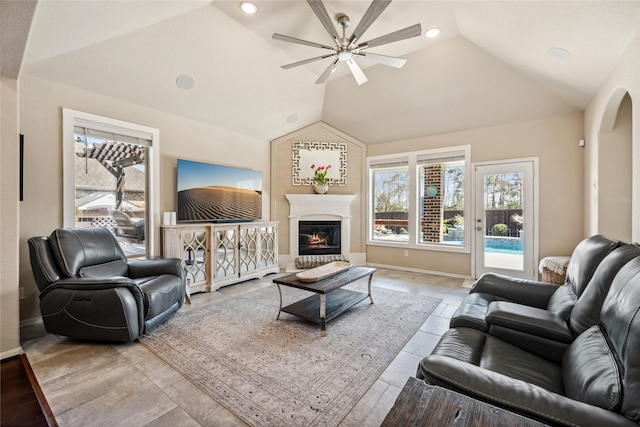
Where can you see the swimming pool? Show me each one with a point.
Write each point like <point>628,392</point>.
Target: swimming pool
<point>501,245</point>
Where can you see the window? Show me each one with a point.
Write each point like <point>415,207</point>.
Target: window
<point>390,184</point>
<point>417,199</point>
<point>108,179</point>
<point>441,206</point>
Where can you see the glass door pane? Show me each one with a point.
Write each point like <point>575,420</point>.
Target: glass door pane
<point>504,220</point>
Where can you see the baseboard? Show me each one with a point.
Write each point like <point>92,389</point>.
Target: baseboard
<point>10,353</point>
<point>418,270</point>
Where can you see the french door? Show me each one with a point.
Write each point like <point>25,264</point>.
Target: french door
<point>505,215</point>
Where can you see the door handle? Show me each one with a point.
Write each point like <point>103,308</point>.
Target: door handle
<point>479,228</point>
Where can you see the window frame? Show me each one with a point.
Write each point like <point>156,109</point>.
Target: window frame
<point>71,118</point>
<point>414,197</point>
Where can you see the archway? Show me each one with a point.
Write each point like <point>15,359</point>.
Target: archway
<point>615,169</point>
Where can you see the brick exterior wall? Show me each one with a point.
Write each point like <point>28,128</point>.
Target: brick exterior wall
<point>431,224</point>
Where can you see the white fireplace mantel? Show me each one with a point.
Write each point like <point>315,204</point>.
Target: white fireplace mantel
<point>317,207</point>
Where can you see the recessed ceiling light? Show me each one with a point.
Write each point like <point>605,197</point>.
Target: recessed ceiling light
<point>248,7</point>
<point>292,118</point>
<point>559,53</point>
<point>433,32</point>
<point>185,82</point>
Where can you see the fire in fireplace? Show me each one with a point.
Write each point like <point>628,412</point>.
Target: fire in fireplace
<point>319,238</point>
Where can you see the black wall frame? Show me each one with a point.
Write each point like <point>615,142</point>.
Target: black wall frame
<point>21,167</point>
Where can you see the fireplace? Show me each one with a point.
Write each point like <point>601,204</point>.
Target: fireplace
<point>319,238</point>
<point>332,208</point>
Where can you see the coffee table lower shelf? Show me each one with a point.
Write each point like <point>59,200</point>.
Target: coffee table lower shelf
<point>338,302</point>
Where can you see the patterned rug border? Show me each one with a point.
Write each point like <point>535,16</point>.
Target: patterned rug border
<point>261,397</point>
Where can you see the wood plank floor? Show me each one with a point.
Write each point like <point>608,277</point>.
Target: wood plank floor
<point>22,401</point>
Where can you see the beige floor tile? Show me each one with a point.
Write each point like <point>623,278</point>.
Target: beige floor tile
<point>383,406</point>
<point>365,405</point>
<point>422,344</point>
<point>97,384</point>
<point>435,325</point>
<point>402,367</point>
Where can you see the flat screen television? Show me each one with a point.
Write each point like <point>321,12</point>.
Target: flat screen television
<point>216,193</point>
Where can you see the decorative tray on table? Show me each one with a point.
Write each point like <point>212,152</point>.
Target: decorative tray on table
<point>322,272</point>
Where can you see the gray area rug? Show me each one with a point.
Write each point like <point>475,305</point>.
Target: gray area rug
<point>281,372</point>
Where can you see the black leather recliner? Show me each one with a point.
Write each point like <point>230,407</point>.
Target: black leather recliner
<point>89,290</point>
<point>597,382</point>
<point>491,288</point>
<point>546,333</point>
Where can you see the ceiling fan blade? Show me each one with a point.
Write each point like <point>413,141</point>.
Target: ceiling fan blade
<point>375,9</point>
<point>277,36</point>
<point>405,33</point>
<point>321,12</point>
<point>327,72</point>
<point>356,71</point>
<point>383,59</point>
<point>306,61</point>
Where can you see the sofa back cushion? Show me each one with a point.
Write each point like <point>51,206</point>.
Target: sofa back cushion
<point>585,259</point>
<point>590,374</point>
<point>586,312</point>
<point>78,248</point>
<point>620,318</point>
<point>43,264</point>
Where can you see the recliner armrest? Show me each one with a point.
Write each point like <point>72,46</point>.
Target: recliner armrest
<point>155,267</point>
<point>529,292</point>
<point>531,320</point>
<point>75,283</point>
<point>515,395</point>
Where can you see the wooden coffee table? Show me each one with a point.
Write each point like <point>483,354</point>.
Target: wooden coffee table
<point>423,405</point>
<point>331,300</point>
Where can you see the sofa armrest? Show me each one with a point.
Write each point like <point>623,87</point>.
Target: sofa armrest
<point>155,267</point>
<point>76,283</point>
<point>528,292</point>
<point>530,320</point>
<point>515,395</point>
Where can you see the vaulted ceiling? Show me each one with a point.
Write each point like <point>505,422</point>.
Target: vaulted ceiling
<point>489,66</point>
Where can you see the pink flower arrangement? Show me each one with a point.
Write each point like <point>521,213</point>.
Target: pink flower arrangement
<point>320,173</point>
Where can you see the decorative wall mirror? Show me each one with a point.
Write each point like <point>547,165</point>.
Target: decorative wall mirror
<point>308,154</point>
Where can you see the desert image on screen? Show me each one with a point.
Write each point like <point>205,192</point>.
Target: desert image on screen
<point>219,203</point>
<point>208,192</point>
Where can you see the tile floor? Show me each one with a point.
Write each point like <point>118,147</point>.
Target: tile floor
<point>94,384</point>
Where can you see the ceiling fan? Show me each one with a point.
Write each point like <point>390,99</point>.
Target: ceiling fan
<point>347,49</point>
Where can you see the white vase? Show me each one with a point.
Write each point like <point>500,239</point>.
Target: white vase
<point>321,188</point>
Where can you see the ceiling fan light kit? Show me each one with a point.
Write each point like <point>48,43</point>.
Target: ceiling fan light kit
<point>347,49</point>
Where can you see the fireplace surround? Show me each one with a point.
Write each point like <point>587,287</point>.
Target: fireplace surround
<point>319,208</point>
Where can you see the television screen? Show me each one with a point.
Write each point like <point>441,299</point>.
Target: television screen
<point>215,193</point>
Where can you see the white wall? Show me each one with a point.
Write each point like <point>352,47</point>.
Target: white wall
<point>9,208</point>
<point>561,164</point>
<point>41,103</point>
<point>600,116</point>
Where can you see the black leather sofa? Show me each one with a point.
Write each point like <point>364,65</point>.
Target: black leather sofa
<point>89,290</point>
<point>578,369</point>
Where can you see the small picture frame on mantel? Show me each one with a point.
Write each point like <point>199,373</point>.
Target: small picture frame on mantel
<point>307,156</point>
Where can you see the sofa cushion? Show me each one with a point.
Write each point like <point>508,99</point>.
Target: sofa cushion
<point>620,318</point>
<point>161,292</point>
<point>480,349</point>
<point>585,259</point>
<point>108,269</point>
<point>74,250</point>
<point>562,301</point>
<point>530,320</point>
<point>586,312</point>
<point>590,371</point>
<point>472,312</point>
